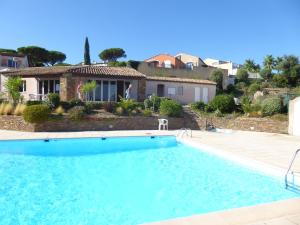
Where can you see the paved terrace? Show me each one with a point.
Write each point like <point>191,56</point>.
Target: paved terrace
<point>270,151</point>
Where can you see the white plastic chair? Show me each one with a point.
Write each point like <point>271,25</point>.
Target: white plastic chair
<point>163,124</point>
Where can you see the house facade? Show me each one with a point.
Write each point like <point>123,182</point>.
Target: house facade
<point>112,83</point>
<point>184,91</point>
<point>67,81</point>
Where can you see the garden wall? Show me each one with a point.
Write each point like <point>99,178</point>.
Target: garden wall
<point>144,123</point>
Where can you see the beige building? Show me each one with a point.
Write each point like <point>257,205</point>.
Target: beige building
<point>184,91</point>
<point>190,61</point>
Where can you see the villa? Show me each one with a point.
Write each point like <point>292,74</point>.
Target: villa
<point>112,83</point>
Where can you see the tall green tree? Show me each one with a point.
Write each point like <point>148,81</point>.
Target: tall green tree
<point>266,74</point>
<point>251,66</point>
<point>290,68</point>
<point>217,76</point>
<point>37,56</point>
<point>12,86</point>
<point>112,54</point>
<point>242,75</point>
<point>56,57</point>
<point>269,62</point>
<point>87,58</point>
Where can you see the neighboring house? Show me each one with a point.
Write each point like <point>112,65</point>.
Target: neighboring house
<point>231,67</point>
<point>184,91</point>
<point>182,66</point>
<point>165,61</point>
<point>227,65</point>
<point>13,60</point>
<point>190,61</point>
<point>112,83</point>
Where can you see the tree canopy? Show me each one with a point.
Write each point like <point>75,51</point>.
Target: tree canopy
<point>217,76</point>
<point>56,57</point>
<point>112,54</point>
<point>269,62</point>
<point>251,66</point>
<point>37,56</point>
<point>4,50</point>
<point>242,75</point>
<point>87,58</point>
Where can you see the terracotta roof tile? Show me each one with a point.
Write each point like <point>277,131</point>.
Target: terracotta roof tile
<point>181,80</point>
<point>79,70</point>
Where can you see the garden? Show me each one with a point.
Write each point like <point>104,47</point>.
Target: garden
<point>53,109</point>
<point>266,96</point>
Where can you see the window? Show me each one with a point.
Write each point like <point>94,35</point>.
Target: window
<point>167,64</point>
<point>180,90</point>
<point>48,86</point>
<point>11,63</point>
<point>105,90</point>
<point>112,90</point>
<point>171,91</point>
<point>22,87</point>
<point>189,65</point>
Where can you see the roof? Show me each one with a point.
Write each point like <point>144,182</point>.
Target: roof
<point>78,70</point>
<point>181,80</point>
<point>12,54</point>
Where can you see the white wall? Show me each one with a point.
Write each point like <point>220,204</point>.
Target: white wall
<point>189,90</point>
<point>294,117</point>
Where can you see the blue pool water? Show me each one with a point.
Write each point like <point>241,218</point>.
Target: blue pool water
<point>121,181</point>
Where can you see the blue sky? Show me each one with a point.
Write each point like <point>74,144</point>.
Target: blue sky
<point>231,30</point>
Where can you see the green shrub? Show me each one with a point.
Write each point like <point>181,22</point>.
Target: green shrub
<point>29,103</point>
<point>230,88</point>
<point>154,102</point>
<point>96,105</point>
<point>76,113</point>
<point>224,103</point>
<point>217,76</point>
<point>271,106</point>
<point>242,75</point>
<point>218,113</point>
<point>88,107</point>
<point>36,113</point>
<point>109,106</point>
<point>147,112</point>
<point>128,105</point>
<point>254,88</point>
<point>66,105</point>
<point>53,100</point>
<point>198,106</point>
<point>280,81</point>
<point>75,102</point>
<point>170,108</point>
<point>119,111</point>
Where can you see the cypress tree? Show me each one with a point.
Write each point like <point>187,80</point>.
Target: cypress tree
<point>87,59</point>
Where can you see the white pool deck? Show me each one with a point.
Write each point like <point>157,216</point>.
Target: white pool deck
<point>267,152</point>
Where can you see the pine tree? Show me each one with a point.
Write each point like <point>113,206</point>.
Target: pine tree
<point>87,59</point>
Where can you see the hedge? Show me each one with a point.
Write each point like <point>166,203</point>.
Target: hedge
<point>36,113</point>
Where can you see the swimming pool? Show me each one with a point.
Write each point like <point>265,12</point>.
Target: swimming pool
<point>128,180</point>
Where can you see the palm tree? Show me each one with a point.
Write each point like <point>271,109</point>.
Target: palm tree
<point>250,66</point>
<point>269,62</point>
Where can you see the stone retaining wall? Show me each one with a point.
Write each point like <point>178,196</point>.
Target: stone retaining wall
<point>144,123</point>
